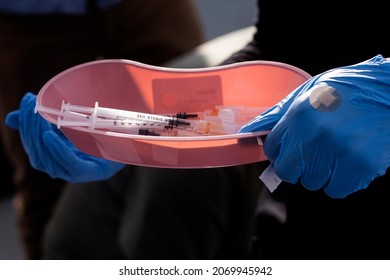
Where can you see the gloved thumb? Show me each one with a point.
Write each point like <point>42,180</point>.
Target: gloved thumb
<point>265,121</point>
<point>268,119</point>
<point>12,120</point>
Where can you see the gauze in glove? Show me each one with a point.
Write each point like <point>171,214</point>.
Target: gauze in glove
<point>51,152</point>
<point>332,132</point>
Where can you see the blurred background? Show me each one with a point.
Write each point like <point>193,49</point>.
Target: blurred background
<point>219,17</point>
<point>223,16</point>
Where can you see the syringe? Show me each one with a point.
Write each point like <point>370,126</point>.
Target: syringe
<point>103,112</point>
<point>195,127</point>
<point>111,124</point>
<point>210,127</point>
<point>184,115</point>
<point>220,120</point>
<point>239,114</point>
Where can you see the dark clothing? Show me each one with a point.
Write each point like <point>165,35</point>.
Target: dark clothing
<point>317,39</point>
<point>34,48</point>
<point>158,213</point>
<point>330,35</point>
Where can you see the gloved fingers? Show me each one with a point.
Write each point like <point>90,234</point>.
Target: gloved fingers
<point>272,144</point>
<point>268,119</point>
<point>28,102</point>
<point>364,167</point>
<point>64,159</point>
<point>315,175</point>
<point>334,136</point>
<point>29,120</point>
<point>55,149</point>
<point>265,121</point>
<point>74,165</point>
<point>12,119</point>
<point>294,161</point>
<point>110,167</point>
<point>295,126</point>
<point>32,127</point>
<point>287,165</point>
<point>339,186</point>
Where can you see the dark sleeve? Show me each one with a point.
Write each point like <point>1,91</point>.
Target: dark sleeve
<point>251,51</point>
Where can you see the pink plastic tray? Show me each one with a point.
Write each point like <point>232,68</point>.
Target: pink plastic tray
<point>134,86</point>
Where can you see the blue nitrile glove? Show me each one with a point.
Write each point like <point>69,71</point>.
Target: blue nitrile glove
<point>51,152</point>
<point>332,132</point>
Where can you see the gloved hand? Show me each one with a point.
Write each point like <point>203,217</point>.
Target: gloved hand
<point>51,152</point>
<point>332,132</point>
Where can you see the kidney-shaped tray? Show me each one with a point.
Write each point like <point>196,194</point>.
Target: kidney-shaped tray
<point>130,85</point>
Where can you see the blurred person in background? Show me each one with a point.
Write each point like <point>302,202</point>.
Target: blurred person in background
<point>333,160</point>
<point>41,38</point>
